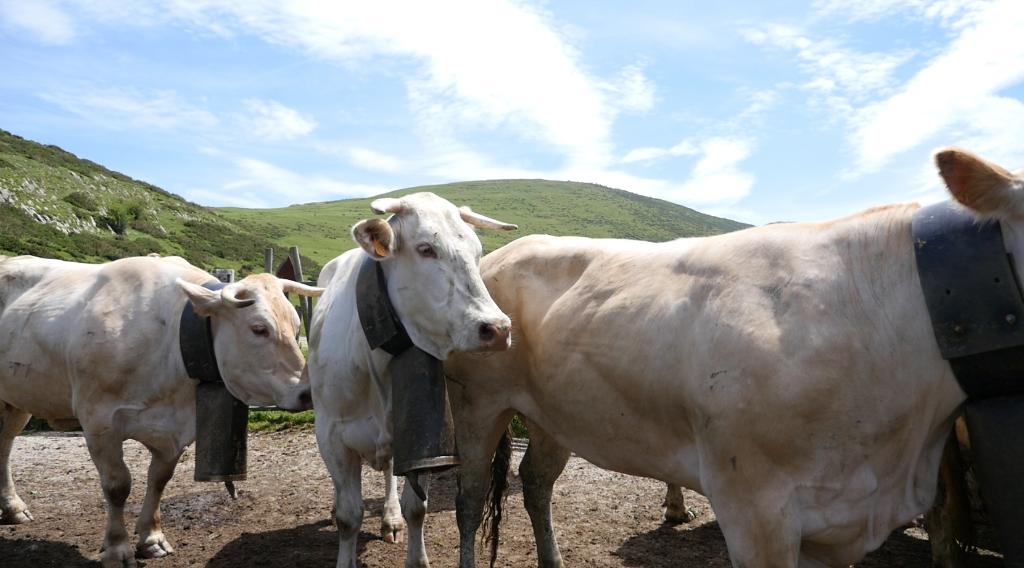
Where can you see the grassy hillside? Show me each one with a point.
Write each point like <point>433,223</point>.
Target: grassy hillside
<point>537,206</point>
<point>54,204</point>
<point>57,205</point>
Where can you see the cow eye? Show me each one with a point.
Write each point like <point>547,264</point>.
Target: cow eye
<point>426,251</point>
<point>260,330</point>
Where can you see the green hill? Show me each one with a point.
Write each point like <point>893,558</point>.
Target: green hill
<point>54,204</point>
<point>321,230</point>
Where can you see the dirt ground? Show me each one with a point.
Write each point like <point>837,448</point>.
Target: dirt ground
<point>281,515</point>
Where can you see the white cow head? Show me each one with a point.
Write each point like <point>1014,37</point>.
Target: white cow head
<point>430,256</point>
<point>255,331</point>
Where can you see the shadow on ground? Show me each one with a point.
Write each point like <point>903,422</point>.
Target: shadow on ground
<point>32,553</point>
<point>680,545</point>
<point>675,545</point>
<point>313,544</point>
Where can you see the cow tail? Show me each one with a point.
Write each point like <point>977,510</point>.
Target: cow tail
<point>500,466</point>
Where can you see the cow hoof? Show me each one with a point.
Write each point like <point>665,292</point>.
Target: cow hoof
<point>393,530</point>
<point>119,556</point>
<point>156,546</point>
<point>676,517</point>
<point>19,518</point>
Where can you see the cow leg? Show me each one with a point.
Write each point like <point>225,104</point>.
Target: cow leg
<point>12,509</point>
<point>543,463</point>
<point>345,467</point>
<point>478,438</point>
<point>675,506</point>
<point>115,479</point>
<point>152,543</point>
<point>415,511</point>
<point>392,527</point>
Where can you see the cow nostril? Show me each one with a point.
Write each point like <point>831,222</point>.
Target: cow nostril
<point>487,332</point>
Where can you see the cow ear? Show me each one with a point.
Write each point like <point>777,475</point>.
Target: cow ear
<point>204,302</point>
<point>376,238</point>
<point>980,185</point>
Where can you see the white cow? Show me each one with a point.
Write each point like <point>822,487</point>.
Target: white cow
<point>787,372</point>
<point>429,254</point>
<point>98,344</point>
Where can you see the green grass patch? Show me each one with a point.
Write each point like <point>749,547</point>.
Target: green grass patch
<point>519,427</point>
<point>276,420</point>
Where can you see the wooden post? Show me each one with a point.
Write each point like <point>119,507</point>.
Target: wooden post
<point>268,260</point>
<point>305,304</point>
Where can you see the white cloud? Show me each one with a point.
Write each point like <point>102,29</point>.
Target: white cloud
<point>952,97</point>
<point>651,153</point>
<point>43,19</point>
<point>484,64</point>
<point>633,91</point>
<point>717,179</point>
<point>478,66</point>
<point>259,183</point>
<point>950,92</point>
<point>367,158</point>
<point>833,67</point>
<point>948,12</point>
<point>122,108</point>
<point>273,121</point>
<point>375,161</point>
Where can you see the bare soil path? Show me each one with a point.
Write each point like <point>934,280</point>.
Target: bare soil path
<point>281,517</point>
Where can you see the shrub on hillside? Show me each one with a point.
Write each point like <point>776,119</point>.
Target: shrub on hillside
<point>135,209</point>
<point>82,200</point>
<point>117,219</point>
<point>146,245</point>
<point>150,228</point>
<point>23,235</point>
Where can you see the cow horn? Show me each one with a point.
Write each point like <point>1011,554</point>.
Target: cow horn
<point>483,221</point>
<point>229,296</point>
<point>387,205</point>
<point>293,287</point>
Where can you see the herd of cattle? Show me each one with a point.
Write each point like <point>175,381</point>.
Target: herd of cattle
<point>787,372</point>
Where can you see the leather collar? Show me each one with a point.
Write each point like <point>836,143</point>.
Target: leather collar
<point>195,335</point>
<point>377,315</point>
<point>973,296</point>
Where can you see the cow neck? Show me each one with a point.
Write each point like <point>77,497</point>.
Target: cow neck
<point>195,335</point>
<point>380,322</point>
<point>977,314</point>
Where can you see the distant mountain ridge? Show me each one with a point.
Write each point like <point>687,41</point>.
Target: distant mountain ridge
<point>54,204</point>
<point>537,206</point>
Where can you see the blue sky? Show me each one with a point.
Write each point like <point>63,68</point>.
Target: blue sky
<point>758,111</point>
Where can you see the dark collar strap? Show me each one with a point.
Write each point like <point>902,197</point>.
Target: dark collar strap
<point>973,298</point>
<point>196,338</point>
<point>380,323</point>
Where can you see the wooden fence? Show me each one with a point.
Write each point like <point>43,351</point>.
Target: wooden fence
<point>291,269</point>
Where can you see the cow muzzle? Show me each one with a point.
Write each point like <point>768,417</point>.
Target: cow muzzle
<point>494,335</point>
<point>298,399</point>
